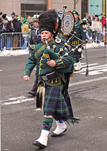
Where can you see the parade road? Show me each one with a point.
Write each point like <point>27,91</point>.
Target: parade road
<point>21,121</point>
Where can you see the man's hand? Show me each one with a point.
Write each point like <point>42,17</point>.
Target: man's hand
<point>51,63</point>
<point>26,78</point>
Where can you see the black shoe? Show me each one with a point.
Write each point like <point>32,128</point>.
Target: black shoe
<point>36,143</point>
<point>56,135</point>
<point>33,93</point>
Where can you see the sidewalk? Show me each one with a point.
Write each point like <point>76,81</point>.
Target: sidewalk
<point>22,52</point>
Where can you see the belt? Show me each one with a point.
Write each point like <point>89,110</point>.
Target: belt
<point>44,77</point>
<point>50,76</point>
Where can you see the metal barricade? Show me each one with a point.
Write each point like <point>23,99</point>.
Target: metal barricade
<point>1,42</point>
<point>14,41</point>
<point>95,35</point>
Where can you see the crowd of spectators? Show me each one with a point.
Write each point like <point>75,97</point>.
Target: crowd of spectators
<point>96,25</point>
<point>14,31</point>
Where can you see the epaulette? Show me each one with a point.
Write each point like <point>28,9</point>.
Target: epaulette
<point>32,46</point>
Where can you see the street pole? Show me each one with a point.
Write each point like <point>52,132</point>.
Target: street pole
<point>49,4</point>
<point>75,2</point>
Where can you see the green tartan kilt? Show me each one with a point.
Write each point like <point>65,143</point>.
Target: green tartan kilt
<point>55,104</point>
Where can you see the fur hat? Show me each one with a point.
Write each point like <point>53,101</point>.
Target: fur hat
<point>50,21</point>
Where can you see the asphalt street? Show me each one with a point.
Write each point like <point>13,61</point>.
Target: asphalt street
<point>21,122</point>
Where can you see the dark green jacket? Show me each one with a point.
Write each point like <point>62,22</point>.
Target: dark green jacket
<point>80,33</point>
<point>39,58</point>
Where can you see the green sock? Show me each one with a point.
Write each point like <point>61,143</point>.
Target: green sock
<point>47,123</point>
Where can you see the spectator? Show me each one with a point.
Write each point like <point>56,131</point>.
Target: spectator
<point>12,15</point>
<point>89,20</point>
<point>1,15</point>
<point>28,18</point>
<point>33,39</point>
<point>103,26</point>
<point>5,20</point>
<point>103,19</point>
<point>92,16</point>
<point>1,31</point>
<point>86,16</point>
<point>17,28</point>
<point>94,27</point>
<point>31,24</point>
<point>104,34</point>
<point>99,31</point>
<point>9,29</point>
<point>25,31</point>
<point>21,20</point>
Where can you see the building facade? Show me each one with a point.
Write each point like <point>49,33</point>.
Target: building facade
<point>37,6</point>
<point>9,6</point>
<point>31,7</point>
<point>97,6</point>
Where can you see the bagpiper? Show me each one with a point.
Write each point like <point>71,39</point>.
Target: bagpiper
<point>53,64</point>
<point>80,30</point>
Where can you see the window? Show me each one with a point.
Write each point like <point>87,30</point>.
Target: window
<point>84,7</point>
<point>32,9</point>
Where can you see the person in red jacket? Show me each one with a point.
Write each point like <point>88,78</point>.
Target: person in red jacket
<point>103,19</point>
<point>103,26</point>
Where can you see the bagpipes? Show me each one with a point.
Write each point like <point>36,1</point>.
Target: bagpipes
<point>49,54</point>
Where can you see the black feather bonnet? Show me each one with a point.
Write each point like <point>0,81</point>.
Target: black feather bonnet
<point>50,21</point>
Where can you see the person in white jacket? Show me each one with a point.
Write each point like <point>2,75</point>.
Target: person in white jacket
<point>99,31</point>
<point>94,27</point>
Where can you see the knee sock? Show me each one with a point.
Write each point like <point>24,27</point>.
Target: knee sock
<point>47,123</point>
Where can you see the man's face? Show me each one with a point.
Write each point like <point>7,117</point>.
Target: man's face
<point>46,35</point>
<point>29,17</point>
<point>96,18</point>
<point>76,16</point>
<point>36,25</point>
<point>86,16</point>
